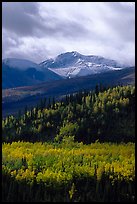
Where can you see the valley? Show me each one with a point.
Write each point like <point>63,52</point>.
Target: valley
<point>15,99</point>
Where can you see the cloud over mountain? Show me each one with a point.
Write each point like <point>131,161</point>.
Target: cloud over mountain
<point>39,30</point>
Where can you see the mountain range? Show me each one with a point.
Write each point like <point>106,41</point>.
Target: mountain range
<point>26,83</point>
<point>21,72</point>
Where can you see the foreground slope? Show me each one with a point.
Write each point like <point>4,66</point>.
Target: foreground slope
<point>73,172</point>
<point>33,170</point>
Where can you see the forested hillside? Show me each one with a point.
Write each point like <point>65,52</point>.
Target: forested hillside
<point>72,149</point>
<point>103,114</point>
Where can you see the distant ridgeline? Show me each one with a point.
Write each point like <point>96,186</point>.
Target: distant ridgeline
<point>103,114</point>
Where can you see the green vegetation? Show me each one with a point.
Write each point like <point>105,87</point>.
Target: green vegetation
<point>107,115</point>
<point>80,149</point>
<point>71,171</point>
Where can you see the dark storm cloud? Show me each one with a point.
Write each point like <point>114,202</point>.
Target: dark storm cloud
<point>24,20</point>
<point>19,17</point>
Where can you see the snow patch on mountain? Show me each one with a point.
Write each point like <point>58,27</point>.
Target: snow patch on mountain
<point>66,65</point>
<point>74,64</point>
<point>72,72</point>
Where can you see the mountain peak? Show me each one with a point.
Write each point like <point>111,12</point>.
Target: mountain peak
<point>68,65</point>
<point>75,53</point>
<point>73,64</point>
<point>68,54</point>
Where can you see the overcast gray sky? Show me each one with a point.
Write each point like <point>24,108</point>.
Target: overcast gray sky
<point>41,30</point>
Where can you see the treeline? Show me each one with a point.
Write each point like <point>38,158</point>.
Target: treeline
<point>103,114</point>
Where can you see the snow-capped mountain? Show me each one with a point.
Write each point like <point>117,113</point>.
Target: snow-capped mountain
<point>21,72</point>
<point>74,64</point>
